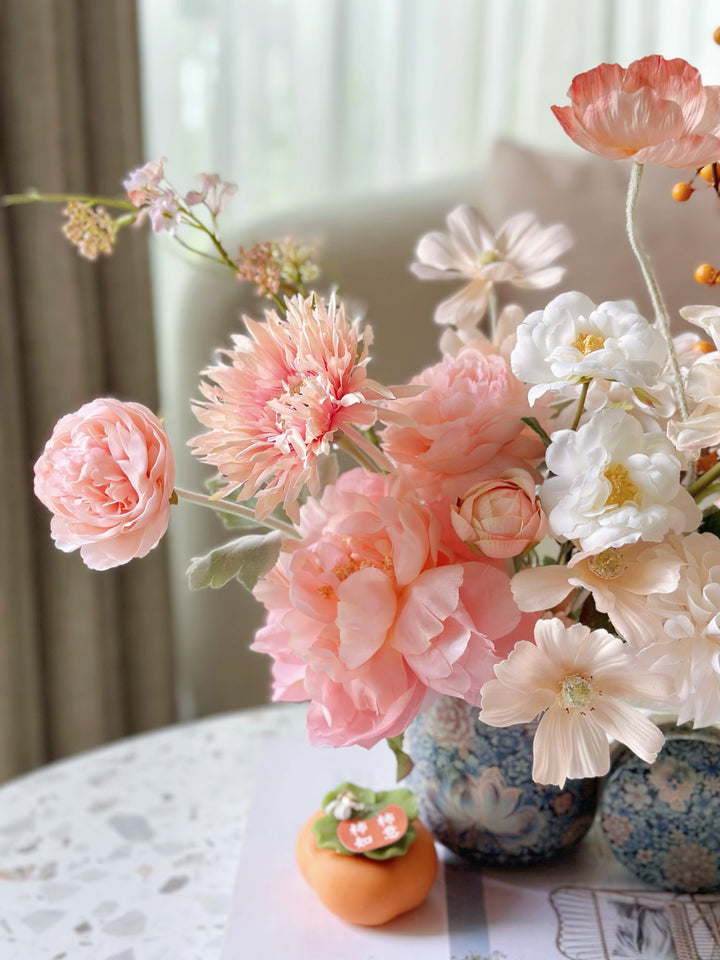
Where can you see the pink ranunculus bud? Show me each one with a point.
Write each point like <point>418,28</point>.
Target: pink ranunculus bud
<point>501,517</point>
<point>107,475</point>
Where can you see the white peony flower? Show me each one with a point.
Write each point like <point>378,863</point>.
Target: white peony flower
<point>579,680</point>
<point>521,253</point>
<point>689,650</point>
<point>572,340</point>
<point>615,484</point>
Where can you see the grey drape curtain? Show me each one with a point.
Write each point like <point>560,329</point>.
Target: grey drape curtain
<point>84,656</point>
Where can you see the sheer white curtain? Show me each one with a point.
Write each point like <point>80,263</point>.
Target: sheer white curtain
<point>299,100</point>
<point>303,102</point>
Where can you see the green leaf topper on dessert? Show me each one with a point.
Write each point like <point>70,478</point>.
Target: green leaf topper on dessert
<point>370,804</point>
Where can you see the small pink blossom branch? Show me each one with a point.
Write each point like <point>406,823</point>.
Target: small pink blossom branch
<point>226,506</point>
<point>661,315</point>
<point>13,199</point>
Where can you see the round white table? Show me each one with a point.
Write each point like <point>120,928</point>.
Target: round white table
<point>129,852</point>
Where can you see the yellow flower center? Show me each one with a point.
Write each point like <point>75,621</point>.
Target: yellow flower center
<point>608,565</point>
<point>588,342</point>
<point>622,487</point>
<point>486,257</point>
<point>576,691</point>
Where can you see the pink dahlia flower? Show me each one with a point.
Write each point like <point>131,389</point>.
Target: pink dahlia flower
<point>655,111</point>
<point>368,611</point>
<point>107,474</point>
<point>273,409</point>
<point>466,426</point>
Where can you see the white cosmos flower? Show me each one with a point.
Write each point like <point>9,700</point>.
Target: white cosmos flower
<point>615,484</point>
<point>620,580</point>
<point>578,680</point>
<point>573,340</point>
<point>521,253</point>
<point>689,648</point>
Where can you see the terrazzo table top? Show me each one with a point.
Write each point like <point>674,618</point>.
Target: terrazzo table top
<point>129,852</point>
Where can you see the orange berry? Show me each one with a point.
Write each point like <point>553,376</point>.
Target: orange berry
<point>705,273</point>
<point>682,192</point>
<point>708,172</point>
<point>716,35</point>
<point>702,346</point>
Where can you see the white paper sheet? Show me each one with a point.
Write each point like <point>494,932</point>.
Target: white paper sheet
<point>584,907</point>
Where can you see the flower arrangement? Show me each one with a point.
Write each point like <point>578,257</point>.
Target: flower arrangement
<point>531,524</point>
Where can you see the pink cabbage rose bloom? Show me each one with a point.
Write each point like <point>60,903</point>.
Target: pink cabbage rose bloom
<point>655,111</point>
<point>466,426</point>
<point>501,517</point>
<point>369,610</point>
<point>107,474</point>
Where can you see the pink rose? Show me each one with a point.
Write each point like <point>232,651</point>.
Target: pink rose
<point>655,111</point>
<point>370,609</point>
<point>501,517</point>
<point>464,427</point>
<point>107,475</point>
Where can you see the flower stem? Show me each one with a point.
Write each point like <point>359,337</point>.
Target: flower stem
<point>492,311</point>
<point>345,443</point>
<point>224,256</point>
<point>581,404</point>
<point>699,487</point>
<point>226,506</point>
<point>661,315</point>
<point>13,199</point>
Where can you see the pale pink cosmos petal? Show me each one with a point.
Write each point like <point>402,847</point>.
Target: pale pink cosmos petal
<point>590,748</point>
<point>500,711</point>
<point>630,727</point>
<point>465,307</point>
<point>552,748</point>
<point>541,587</point>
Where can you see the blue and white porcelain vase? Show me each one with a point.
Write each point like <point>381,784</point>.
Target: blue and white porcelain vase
<point>662,820</point>
<point>476,794</point>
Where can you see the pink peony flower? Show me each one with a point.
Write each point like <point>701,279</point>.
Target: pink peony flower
<point>467,426</point>
<point>655,111</point>
<point>501,517</point>
<point>274,408</point>
<point>107,475</point>
<point>369,609</point>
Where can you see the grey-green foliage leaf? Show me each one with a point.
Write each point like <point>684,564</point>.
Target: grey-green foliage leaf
<point>247,559</point>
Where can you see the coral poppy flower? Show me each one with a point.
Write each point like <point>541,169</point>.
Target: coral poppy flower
<point>655,111</point>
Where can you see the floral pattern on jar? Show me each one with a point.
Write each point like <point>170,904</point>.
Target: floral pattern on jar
<point>673,841</point>
<point>476,794</point>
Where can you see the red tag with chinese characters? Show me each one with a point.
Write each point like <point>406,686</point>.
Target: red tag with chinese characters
<point>384,828</point>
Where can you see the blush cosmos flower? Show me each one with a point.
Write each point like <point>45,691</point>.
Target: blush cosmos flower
<point>614,484</point>
<point>464,427</point>
<point>520,253</point>
<point>273,409</point>
<point>107,475</point>
<point>573,340</point>
<point>578,680</point>
<point>689,647</point>
<point>143,183</point>
<point>655,111</point>
<point>368,610</point>
<point>620,579</point>
<point>500,517</point>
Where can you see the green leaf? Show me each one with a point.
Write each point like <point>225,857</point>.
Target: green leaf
<point>534,425</point>
<point>325,828</point>
<point>404,762</point>
<point>247,559</point>
<point>711,522</point>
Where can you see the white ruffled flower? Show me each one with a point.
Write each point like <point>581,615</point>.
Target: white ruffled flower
<point>573,340</point>
<point>578,680</point>
<point>521,253</point>
<point>689,649</point>
<point>615,484</point>
<point>702,426</point>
